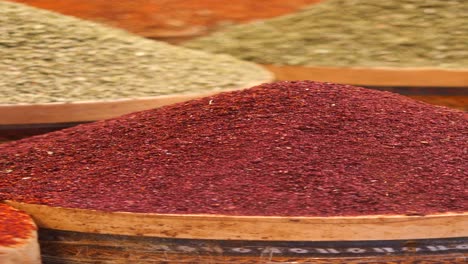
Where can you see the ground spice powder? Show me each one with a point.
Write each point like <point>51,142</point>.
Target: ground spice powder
<point>288,148</point>
<point>14,225</point>
<point>165,18</point>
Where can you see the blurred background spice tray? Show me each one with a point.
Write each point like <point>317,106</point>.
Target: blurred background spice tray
<point>78,236</point>
<point>171,20</point>
<point>446,87</point>
<point>23,120</point>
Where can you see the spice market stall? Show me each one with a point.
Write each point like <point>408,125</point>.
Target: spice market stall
<point>289,172</point>
<point>418,48</point>
<point>58,71</point>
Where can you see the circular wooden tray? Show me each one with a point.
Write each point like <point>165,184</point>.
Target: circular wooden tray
<point>76,235</point>
<point>23,120</point>
<point>83,111</point>
<point>378,76</point>
<point>444,87</point>
<point>370,227</point>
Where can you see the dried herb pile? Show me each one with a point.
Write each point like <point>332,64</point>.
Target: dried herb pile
<point>398,33</point>
<point>287,148</point>
<point>14,225</point>
<point>47,57</point>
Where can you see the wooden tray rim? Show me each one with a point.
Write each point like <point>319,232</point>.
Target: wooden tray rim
<point>375,76</point>
<point>270,228</point>
<point>89,110</point>
<point>377,68</point>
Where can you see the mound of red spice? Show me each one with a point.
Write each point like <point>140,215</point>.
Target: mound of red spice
<point>14,226</point>
<point>288,148</point>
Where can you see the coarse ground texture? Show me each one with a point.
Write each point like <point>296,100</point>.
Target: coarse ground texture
<point>14,225</point>
<point>47,57</point>
<point>360,33</point>
<point>287,148</point>
<point>164,18</point>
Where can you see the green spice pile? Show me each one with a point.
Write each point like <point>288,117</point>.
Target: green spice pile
<point>47,57</point>
<point>398,33</point>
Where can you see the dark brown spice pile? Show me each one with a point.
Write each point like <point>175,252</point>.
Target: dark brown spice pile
<point>288,148</point>
<point>14,225</point>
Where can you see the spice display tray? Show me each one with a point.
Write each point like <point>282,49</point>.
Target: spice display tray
<point>24,120</point>
<point>74,235</point>
<point>378,76</point>
<point>83,111</point>
<point>443,81</point>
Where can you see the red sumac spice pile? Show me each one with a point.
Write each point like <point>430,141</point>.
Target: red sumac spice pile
<point>288,148</point>
<point>14,226</point>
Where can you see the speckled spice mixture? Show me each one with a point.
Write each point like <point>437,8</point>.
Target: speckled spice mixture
<point>47,57</point>
<point>288,148</point>
<point>367,33</point>
<point>14,226</point>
